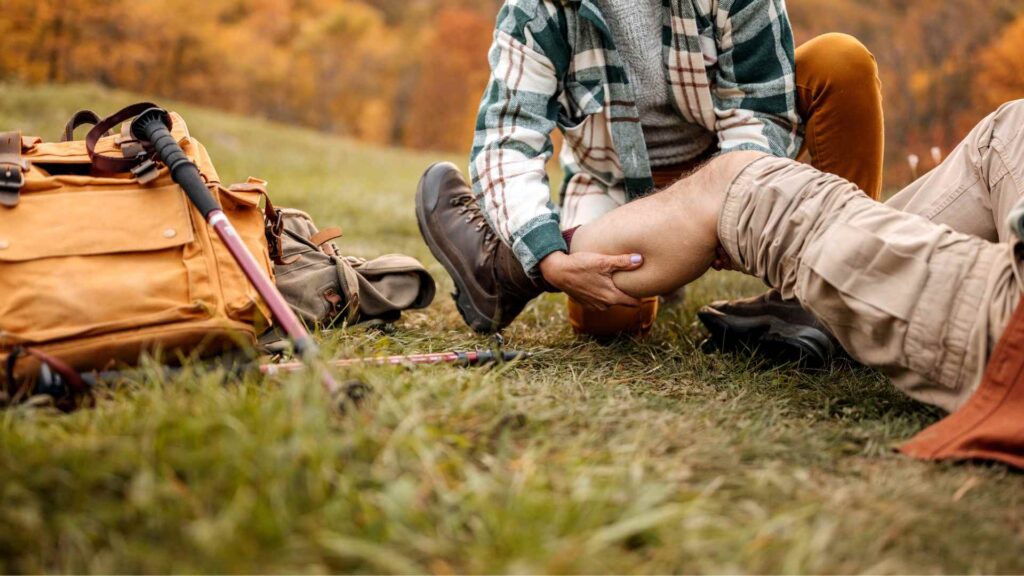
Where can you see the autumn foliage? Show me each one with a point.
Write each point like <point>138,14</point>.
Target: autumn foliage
<point>410,72</point>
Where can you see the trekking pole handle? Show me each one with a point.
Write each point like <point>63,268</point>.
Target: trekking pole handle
<point>151,126</point>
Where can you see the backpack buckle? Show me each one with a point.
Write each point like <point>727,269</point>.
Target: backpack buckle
<point>12,169</point>
<point>12,179</point>
<point>146,172</point>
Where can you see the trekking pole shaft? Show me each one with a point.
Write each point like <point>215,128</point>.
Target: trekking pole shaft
<point>54,384</point>
<point>458,358</point>
<point>151,127</point>
<point>278,307</point>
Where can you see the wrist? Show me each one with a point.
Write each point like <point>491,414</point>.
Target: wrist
<point>551,264</point>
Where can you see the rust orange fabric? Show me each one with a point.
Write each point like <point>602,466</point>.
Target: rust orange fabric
<point>991,425</point>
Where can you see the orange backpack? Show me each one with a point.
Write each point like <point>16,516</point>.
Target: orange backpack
<point>97,268</point>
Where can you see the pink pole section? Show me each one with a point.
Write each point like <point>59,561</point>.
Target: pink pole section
<point>440,358</point>
<point>281,312</point>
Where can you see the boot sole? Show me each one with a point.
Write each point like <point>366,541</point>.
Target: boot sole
<point>772,337</point>
<point>479,322</point>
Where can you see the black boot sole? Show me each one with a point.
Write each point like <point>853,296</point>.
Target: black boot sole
<point>474,318</point>
<point>769,336</point>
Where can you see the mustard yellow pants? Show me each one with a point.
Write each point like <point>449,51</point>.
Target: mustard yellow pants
<point>839,96</point>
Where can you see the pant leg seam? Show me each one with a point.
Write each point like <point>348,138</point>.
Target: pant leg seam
<point>1007,171</point>
<point>949,199</point>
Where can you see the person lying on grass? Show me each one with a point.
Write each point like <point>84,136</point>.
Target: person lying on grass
<point>642,92</point>
<point>920,287</point>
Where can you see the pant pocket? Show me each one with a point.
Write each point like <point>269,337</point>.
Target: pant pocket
<point>867,268</point>
<point>865,290</point>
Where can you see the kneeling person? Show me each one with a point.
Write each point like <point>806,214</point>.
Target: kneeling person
<point>643,92</point>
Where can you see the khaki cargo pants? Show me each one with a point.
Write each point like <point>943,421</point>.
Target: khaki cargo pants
<point>920,287</point>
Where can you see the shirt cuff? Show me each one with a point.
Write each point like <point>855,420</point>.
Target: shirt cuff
<point>538,240</point>
<point>742,147</point>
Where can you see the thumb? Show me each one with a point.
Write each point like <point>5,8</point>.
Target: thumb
<point>625,262</point>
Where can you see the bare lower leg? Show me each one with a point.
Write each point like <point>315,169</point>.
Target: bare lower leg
<point>675,230</point>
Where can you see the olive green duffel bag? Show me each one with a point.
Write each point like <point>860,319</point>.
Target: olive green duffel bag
<point>326,288</point>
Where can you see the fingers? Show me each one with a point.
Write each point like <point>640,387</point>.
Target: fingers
<point>615,297</point>
<point>623,263</point>
<point>626,300</point>
<point>604,298</point>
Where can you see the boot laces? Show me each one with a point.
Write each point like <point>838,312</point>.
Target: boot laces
<point>468,207</point>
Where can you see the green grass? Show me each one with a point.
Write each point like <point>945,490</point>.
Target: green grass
<point>634,457</point>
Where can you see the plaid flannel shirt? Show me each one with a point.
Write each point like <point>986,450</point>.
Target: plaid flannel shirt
<point>729,64</point>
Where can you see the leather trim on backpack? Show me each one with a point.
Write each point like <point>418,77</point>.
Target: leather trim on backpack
<point>80,118</point>
<point>12,169</point>
<point>110,164</point>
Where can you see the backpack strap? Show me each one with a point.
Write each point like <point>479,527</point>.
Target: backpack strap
<point>131,149</point>
<point>80,118</point>
<point>76,385</point>
<point>274,229</point>
<point>12,169</point>
<point>140,165</point>
<point>323,240</point>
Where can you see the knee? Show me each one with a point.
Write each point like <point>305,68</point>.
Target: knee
<point>1012,113</point>
<point>1006,124</point>
<point>725,168</point>
<point>836,60</point>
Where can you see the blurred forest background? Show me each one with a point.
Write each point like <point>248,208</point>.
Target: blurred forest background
<point>410,72</point>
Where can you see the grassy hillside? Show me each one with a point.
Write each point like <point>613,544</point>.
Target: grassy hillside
<point>635,457</point>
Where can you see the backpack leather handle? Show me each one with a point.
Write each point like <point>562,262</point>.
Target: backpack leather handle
<point>80,118</point>
<point>111,164</point>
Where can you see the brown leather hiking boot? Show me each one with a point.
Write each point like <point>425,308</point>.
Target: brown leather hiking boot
<point>778,329</point>
<point>491,287</point>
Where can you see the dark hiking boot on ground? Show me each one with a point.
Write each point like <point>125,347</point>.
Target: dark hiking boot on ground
<point>491,287</point>
<point>778,329</point>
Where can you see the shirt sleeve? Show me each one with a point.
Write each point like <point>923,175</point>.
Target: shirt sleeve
<point>755,93</point>
<point>512,144</point>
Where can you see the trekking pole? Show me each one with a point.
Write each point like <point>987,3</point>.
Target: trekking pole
<point>153,126</point>
<point>477,358</point>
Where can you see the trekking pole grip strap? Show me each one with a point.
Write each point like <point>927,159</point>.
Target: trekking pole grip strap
<point>111,164</point>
